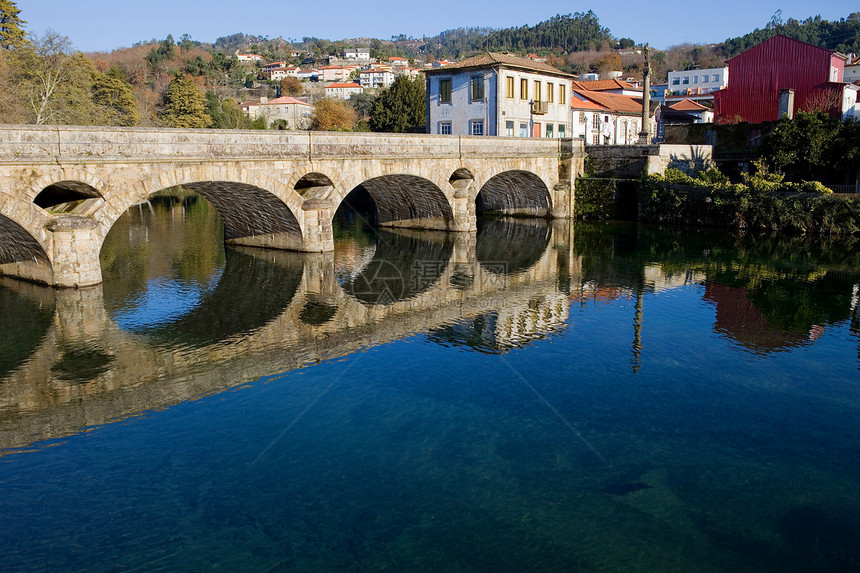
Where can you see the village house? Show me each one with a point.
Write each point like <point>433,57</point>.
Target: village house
<point>397,61</point>
<point>360,54</point>
<point>851,73</point>
<point>308,74</point>
<point>342,90</point>
<point>273,66</point>
<point>376,78</point>
<point>782,76</point>
<point>498,94</point>
<point>333,74</point>
<point>604,118</point>
<point>296,112</point>
<point>278,74</point>
<point>611,86</point>
<point>253,58</point>
<point>695,85</point>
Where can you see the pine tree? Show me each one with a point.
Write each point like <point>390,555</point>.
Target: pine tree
<point>12,34</point>
<point>185,105</point>
<point>399,108</point>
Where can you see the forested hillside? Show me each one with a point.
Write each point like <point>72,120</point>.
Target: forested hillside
<point>842,35</point>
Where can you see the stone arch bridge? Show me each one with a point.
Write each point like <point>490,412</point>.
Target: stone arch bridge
<point>62,188</point>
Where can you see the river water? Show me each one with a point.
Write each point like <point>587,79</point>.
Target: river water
<point>539,397</point>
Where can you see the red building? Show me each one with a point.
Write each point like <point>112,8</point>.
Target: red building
<point>803,76</point>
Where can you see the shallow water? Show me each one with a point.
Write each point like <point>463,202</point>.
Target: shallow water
<point>536,397</point>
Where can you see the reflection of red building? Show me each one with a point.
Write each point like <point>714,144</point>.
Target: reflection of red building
<point>757,76</point>
<point>739,319</point>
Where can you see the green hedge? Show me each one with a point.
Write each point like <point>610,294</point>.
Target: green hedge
<point>596,199</point>
<point>777,210</point>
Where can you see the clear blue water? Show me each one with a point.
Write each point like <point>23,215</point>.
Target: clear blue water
<point>643,403</point>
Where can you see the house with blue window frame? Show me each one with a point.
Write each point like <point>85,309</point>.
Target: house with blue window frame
<point>498,94</point>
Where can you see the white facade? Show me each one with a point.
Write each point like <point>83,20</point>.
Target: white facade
<point>697,82</point>
<point>342,90</point>
<point>498,100</point>
<point>334,74</point>
<point>278,74</point>
<point>296,112</point>
<point>604,127</point>
<point>851,73</point>
<point>376,78</point>
<point>361,54</point>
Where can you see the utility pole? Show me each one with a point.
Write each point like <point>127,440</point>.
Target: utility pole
<point>645,134</point>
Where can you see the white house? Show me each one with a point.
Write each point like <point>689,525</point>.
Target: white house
<point>342,90</point>
<point>701,113</point>
<point>296,112</point>
<point>498,94</point>
<point>851,73</point>
<point>608,119</point>
<point>397,61</point>
<point>308,74</point>
<point>361,54</point>
<point>376,78</point>
<point>278,74</point>
<point>249,57</point>
<point>696,85</point>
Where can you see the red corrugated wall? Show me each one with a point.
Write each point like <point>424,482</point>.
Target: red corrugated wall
<point>757,75</point>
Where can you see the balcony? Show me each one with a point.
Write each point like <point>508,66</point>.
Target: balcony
<point>540,107</point>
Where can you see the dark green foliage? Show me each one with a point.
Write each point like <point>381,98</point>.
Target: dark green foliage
<point>568,33</point>
<point>595,199</point>
<point>185,105</point>
<point>399,108</point>
<point>165,50</point>
<point>12,33</point>
<point>842,36</point>
<point>761,204</point>
<point>114,95</point>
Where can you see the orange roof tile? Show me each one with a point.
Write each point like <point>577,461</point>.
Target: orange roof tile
<point>614,102</point>
<point>286,100</point>
<point>689,105</point>
<point>603,85</point>
<point>491,59</point>
<point>342,85</point>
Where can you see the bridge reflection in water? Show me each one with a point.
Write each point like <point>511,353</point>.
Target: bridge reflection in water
<point>167,329</point>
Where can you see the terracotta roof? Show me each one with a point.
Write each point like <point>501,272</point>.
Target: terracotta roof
<point>492,59</point>
<point>580,104</point>
<point>286,100</point>
<point>604,85</point>
<point>616,102</point>
<point>342,85</point>
<point>689,105</point>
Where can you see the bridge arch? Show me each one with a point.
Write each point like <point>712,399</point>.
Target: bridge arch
<point>514,193</point>
<point>257,210</point>
<point>408,201</point>
<point>21,254</point>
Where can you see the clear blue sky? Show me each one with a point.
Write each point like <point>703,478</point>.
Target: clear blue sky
<point>103,25</point>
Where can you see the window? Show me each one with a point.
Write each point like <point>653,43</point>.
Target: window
<point>537,90</point>
<point>509,81</point>
<point>562,94</point>
<point>509,128</point>
<point>596,138</point>
<point>695,79</point>
<point>595,123</point>
<point>445,91</point>
<point>524,130</point>
<point>561,130</point>
<point>716,78</point>
<point>582,119</point>
<point>444,128</point>
<point>549,130</point>
<point>477,127</point>
<point>550,92</point>
<point>477,91</point>
<point>686,80</point>
<point>676,81</point>
<point>524,89</point>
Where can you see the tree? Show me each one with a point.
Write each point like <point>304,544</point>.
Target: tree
<point>291,86</point>
<point>400,108</point>
<point>185,104</point>
<point>333,115</point>
<point>804,146</point>
<point>363,104</point>
<point>41,70</point>
<point>12,33</point>
<point>112,92</point>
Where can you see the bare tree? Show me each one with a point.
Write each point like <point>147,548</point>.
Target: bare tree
<point>48,69</point>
